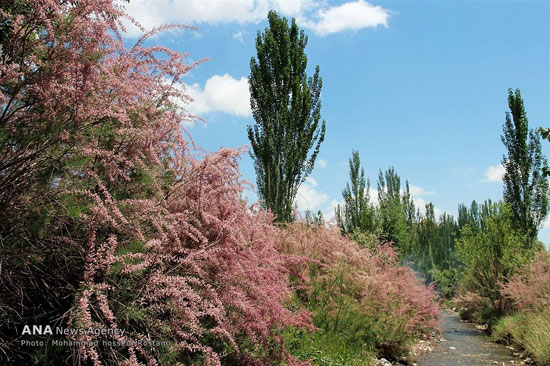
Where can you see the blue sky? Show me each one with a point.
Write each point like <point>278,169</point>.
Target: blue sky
<point>418,85</point>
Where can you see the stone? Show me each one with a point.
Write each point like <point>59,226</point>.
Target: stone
<point>482,327</point>
<point>383,362</point>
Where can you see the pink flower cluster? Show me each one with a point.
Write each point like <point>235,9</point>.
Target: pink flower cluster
<point>389,293</point>
<point>530,287</point>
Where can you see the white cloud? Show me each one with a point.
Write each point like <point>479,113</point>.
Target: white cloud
<point>494,174</point>
<point>419,191</point>
<point>308,198</point>
<point>239,36</point>
<point>153,13</point>
<point>292,7</point>
<point>350,16</point>
<point>314,14</point>
<point>221,94</point>
<point>322,163</point>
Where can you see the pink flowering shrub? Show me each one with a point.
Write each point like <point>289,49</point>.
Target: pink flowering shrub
<point>199,270</point>
<point>366,295</point>
<point>134,228</point>
<point>529,327</point>
<point>530,287</point>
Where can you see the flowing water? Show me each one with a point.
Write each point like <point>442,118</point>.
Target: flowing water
<point>465,345</point>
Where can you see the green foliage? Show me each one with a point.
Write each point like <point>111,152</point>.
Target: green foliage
<point>545,134</point>
<point>327,348</point>
<point>287,108</point>
<point>428,235</point>
<point>365,239</point>
<point>357,212</point>
<point>491,253</point>
<point>424,242</point>
<point>392,213</point>
<point>469,216</point>
<point>446,280</point>
<point>526,188</point>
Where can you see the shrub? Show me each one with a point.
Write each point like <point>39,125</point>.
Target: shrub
<point>530,287</point>
<point>111,218</point>
<point>473,307</point>
<point>205,275</point>
<point>365,297</point>
<point>491,254</point>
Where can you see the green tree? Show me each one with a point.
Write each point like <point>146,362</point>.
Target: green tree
<point>357,213</point>
<point>446,251</point>
<point>408,205</point>
<point>286,105</point>
<point>428,237</point>
<point>525,186</point>
<point>491,252</point>
<point>392,214</point>
<point>446,271</point>
<point>469,216</point>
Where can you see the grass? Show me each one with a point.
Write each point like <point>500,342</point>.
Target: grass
<point>328,349</point>
<point>530,330</point>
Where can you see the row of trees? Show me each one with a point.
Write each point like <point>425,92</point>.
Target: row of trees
<point>285,142</point>
<point>286,107</point>
<point>439,247</point>
<point>424,240</point>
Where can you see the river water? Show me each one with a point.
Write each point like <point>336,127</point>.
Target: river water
<point>465,345</point>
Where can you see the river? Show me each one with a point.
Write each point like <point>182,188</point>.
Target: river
<point>463,344</point>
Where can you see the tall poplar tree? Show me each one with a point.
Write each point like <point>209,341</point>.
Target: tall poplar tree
<point>286,105</point>
<point>356,213</point>
<point>525,186</point>
<point>393,214</point>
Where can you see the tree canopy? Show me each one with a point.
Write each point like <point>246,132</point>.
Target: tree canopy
<point>286,105</point>
<point>526,187</point>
